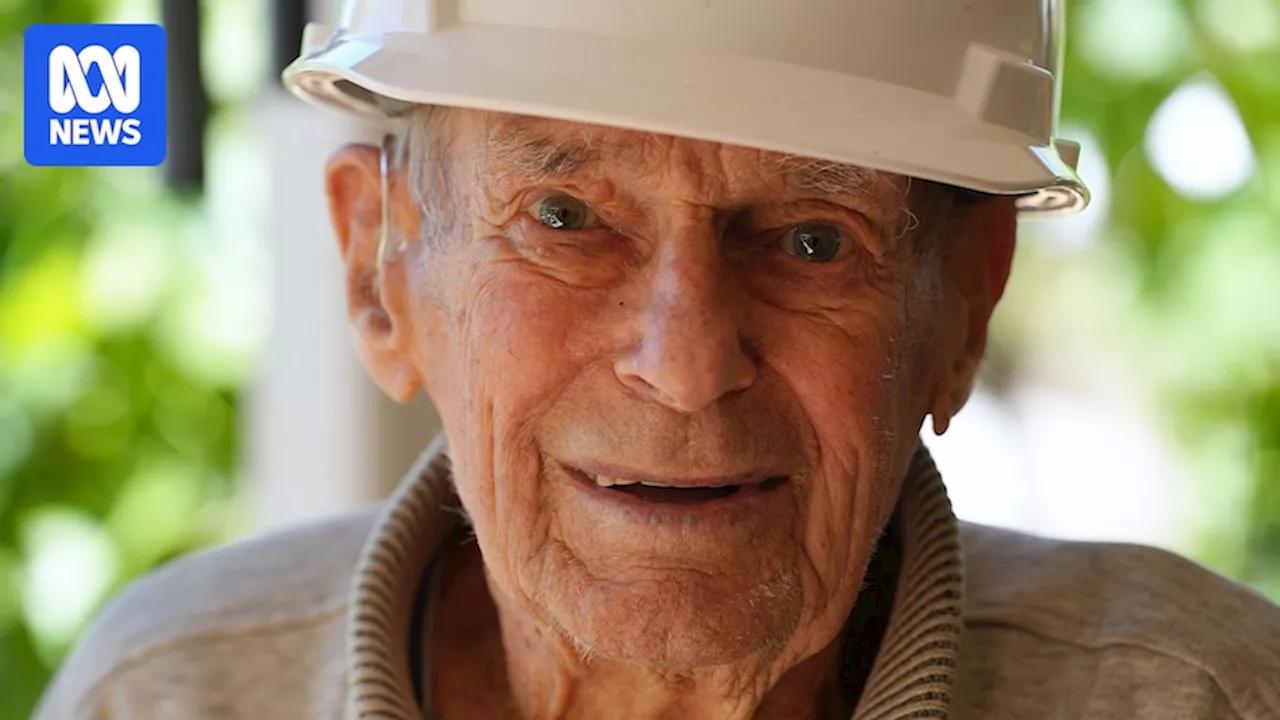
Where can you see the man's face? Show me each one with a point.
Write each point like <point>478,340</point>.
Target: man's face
<point>681,380</point>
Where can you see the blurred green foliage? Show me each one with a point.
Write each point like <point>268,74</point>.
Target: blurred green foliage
<point>116,449</point>
<point>1199,276</point>
<point>117,437</point>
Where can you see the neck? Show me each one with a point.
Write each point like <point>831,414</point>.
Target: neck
<point>498,652</point>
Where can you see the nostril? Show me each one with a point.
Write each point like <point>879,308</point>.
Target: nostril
<point>649,391</point>
<point>684,387</point>
<point>634,382</point>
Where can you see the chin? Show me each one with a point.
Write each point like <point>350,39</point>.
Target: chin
<point>680,623</point>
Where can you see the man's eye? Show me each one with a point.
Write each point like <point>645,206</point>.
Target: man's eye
<point>562,212</point>
<point>815,242</point>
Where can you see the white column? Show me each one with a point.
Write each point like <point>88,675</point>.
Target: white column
<point>319,436</point>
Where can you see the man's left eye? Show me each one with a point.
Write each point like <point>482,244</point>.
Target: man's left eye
<point>564,212</point>
<point>815,242</point>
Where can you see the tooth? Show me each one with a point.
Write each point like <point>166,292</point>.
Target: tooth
<point>657,485</point>
<point>604,481</point>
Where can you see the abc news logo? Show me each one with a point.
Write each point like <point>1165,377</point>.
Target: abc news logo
<point>94,95</point>
<point>69,88</point>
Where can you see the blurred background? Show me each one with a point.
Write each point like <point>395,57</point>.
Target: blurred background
<point>175,369</point>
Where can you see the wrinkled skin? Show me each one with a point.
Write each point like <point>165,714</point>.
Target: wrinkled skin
<point>676,335</point>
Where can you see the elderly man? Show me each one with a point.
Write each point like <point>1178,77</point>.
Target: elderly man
<point>684,280</point>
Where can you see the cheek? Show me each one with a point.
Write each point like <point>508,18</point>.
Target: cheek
<point>846,368</point>
<point>512,345</point>
<point>525,339</point>
<point>500,342</point>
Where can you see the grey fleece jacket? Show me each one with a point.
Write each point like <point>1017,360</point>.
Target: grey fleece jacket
<point>314,623</point>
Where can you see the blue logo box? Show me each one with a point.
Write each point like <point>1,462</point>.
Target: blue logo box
<point>94,95</point>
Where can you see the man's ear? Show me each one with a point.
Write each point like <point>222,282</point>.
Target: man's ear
<point>376,303</point>
<point>976,263</point>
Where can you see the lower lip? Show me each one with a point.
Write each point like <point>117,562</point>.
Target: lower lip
<point>743,500</point>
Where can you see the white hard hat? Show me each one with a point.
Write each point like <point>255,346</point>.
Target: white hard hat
<point>962,92</point>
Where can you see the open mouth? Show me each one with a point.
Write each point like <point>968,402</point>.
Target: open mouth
<point>677,494</point>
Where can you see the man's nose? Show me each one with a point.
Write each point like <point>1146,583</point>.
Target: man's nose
<point>690,352</point>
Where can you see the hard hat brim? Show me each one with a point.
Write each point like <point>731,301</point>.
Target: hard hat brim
<point>742,101</point>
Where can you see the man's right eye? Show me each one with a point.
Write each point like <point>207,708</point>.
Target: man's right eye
<point>564,212</point>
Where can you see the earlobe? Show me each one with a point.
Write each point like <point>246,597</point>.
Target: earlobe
<point>353,181</point>
<point>941,421</point>
<point>951,395</point>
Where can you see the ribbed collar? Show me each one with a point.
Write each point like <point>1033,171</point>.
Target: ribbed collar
<point>910,679</point>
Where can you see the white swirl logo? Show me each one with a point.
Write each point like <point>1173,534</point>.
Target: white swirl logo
<point>69,86</point>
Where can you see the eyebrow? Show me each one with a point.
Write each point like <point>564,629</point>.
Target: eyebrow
<point>543,158</point>
<point>537,156</point>
<point>826,176</point>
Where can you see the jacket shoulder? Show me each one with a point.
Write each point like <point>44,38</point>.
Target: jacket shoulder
<point>1135,600</point>
<point>282,580</point>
